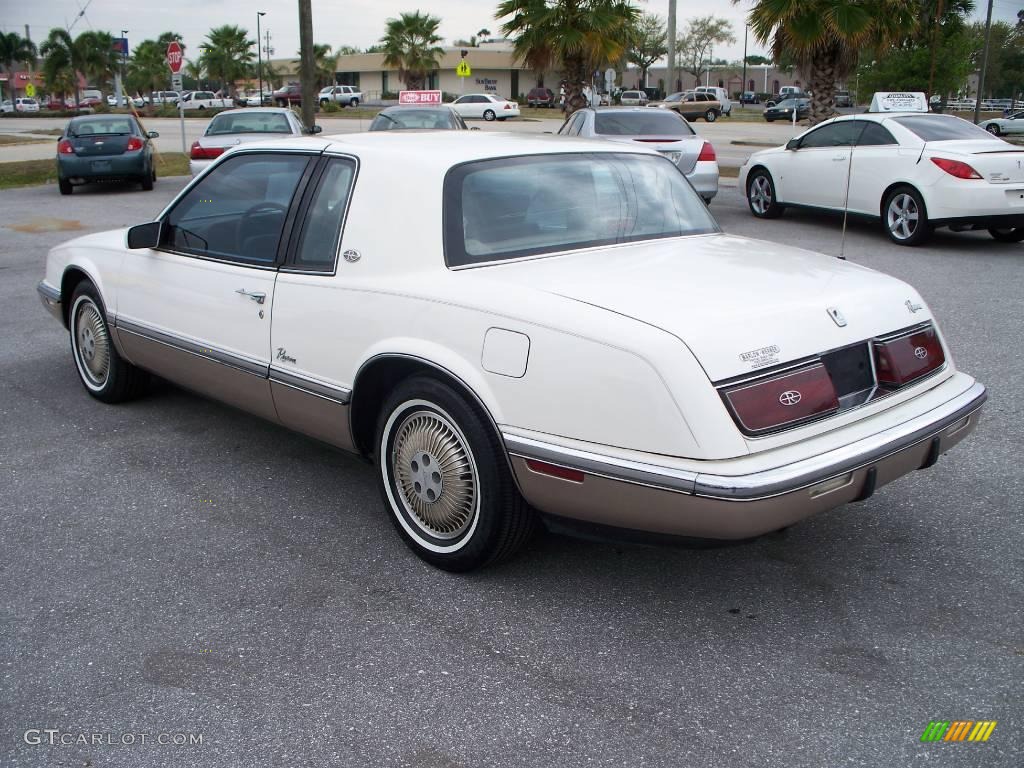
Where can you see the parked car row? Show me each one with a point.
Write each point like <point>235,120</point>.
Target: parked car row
<point>558,332</point>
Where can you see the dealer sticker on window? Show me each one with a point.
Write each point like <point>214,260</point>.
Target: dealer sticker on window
<point>759,358</point>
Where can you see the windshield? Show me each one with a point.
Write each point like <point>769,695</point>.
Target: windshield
<point>943,128</point>
<point>509,208</point>
<point>675,97</point>
<point>652,122</point>
<point>412,118</point>
<point>113,125</point>
<point>257,122</point>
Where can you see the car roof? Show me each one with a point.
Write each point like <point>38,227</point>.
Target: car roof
<point>255,111</point>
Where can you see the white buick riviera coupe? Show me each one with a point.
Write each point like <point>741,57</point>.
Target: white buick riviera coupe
<point>515,329</point>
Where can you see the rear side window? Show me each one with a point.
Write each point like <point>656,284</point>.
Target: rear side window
<point>874,135</point>
<point>523,206</point>
<point>318,246</point>
<point>237,211</point>
<point>943,128</point>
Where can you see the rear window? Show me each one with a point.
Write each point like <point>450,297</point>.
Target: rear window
<point>252,122</point>
<point>525,206</point>
<point>100,126</point>
<point>411,118</point>
<point>646,123</point>
<point>943,128</point>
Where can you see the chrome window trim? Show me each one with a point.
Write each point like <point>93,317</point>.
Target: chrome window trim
<point>230,359</point>
<point>309,385</point>
<point>768,483</point>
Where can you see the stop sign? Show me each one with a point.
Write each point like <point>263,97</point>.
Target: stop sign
<point>174,57</point>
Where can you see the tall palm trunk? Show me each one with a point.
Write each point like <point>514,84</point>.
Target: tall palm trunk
<point>823,87</point>
<point>577,74</point>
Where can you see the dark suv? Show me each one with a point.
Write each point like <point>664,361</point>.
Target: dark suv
<point>540,97</point>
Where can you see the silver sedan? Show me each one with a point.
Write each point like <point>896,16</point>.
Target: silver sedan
<point>659,129</point>
<point>240,126</point>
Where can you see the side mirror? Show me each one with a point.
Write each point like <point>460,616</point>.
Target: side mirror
<point>145,235</point>
<point>153,134</point>
<point>474,128</point>
<point>793,144</point>
<point>314,130</point>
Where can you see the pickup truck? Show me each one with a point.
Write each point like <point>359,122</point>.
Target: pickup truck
<point>342,95</point>
<point>288,95</point>
<point>204,100</point>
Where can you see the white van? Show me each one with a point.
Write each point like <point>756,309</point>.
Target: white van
<point>720,94</point>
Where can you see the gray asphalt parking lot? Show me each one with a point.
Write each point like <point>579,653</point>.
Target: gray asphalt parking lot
<point>174,566</point>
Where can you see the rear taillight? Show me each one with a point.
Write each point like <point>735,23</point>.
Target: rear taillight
<point>782,400</point>
<point>508,105</point>
<point>956,168</point>
<point>205,153</point>
<point>65,148</point>
<point>905,359</point>
<point>134,144</point>
<point>707,153</point>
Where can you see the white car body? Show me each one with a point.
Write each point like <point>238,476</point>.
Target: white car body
<point>720,94</point>
<point>166,97</point>
<point>484,106</point>
<point>254,124</point>
<point>1009,126</point>
<point>342,95</point>
<point>816,176</point>
<point>204,100</point>
<point>20,105</point>
<point>633,99</point>
<point>596,370</point>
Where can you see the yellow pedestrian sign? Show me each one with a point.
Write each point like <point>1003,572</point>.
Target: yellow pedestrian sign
<point>30,89</point>
<point>463,69</point>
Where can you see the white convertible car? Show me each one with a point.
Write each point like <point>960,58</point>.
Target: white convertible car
<point>546,327</point>
<point>913,171</point>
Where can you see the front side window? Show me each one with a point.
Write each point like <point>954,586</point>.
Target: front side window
<point>841,134</point>
<point>525,206</point>
<point>237,211</point>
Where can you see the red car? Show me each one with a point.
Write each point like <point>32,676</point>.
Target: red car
<point>288,95</point>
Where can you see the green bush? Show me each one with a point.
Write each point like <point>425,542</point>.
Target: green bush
<point>331,106</point>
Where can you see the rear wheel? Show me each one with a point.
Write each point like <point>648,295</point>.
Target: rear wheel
<point>103,372</point>
<point>1008,234</point>
<point>354,103</point>
<point>489,115</point>
<point>147,181</point>
<point>761,195</point>
<point>905,218</point>
<point>444,477</point>
<point>710,116</point>
<point>65,186</point>
<point>993,129</point>
<point>323,103</point>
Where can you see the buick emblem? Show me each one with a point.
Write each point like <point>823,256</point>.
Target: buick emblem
<point>913,307</point>
<point>789,397</point>
<point>920,353</point>
<point>352,256</point>
<point>837,316</point>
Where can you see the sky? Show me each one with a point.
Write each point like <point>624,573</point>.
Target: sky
<point>355,22</point>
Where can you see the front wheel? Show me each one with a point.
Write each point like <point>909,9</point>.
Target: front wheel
<point>710,116</point>
<point>905,217</point>
<point>103,372</point>
<point>323,103</point>
<point>761,195</point>
<point>489,115</point>
<point>993,129</point>
<point>1008,234</point>
<point>444,478</point>
<point>354,103</point>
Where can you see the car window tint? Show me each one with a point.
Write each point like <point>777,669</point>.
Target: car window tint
<point>237,211</point>
<point>943,128</point>
<point>100,126</point>
<point>841,134</point>
<point>255,122</point>
<point>874,134</point>
<point>508,208</point>
<point>318,247</point>
<point>648,122</point>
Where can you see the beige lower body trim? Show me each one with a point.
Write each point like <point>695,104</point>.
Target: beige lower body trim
<point>621,504</point>
<point>312,415</point>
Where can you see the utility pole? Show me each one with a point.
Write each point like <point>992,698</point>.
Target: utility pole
<point>984,64</point>
<point>743,85</point>
<point>259,54</point>
<point>307,67</point>
<point>122,96</point>
<point>670,85</point>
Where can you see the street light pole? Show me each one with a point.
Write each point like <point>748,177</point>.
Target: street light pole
<point>124,65</point>
<point>259,54</point>
<point>743,85</point>
<point>984,64</point>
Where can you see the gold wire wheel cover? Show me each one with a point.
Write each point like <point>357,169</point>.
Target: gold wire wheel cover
<point>434,474</point>
<point>92,343</point>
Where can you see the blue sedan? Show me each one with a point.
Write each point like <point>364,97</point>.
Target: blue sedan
<point>105,148</point>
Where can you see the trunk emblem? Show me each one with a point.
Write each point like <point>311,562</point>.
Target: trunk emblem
<point>790,397</point>
<point>912,306</point>
<point>920,353</point>
<point>836,316</point>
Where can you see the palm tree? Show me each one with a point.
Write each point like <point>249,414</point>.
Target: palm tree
<point>15,49</point>
<point>578,35</point>
<point>325,64</point>
<point>99,59</point>
<point>147,70</point>
<point>824,37</point>
<point>194,71</point>
<point>62,62</point>
<point>411,44</point>
<point>227,55</point>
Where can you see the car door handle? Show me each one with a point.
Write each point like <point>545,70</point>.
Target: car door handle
<point>837,158</point>
<point>256,296</point>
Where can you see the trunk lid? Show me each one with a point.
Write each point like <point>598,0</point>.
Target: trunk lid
<point>739,304</point>
<point>92,145</point>
<point>683,149</point>
<point>997,161</point>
